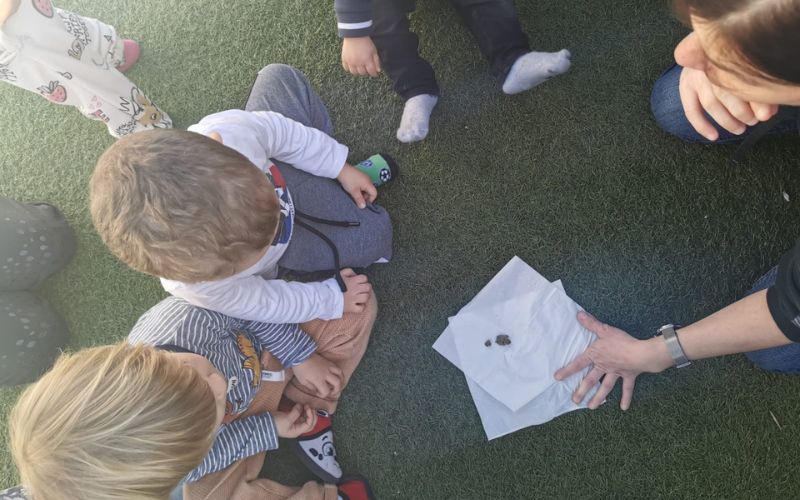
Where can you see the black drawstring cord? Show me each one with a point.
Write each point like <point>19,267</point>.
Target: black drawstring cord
<point>311,229</point>
<point>339,223</point>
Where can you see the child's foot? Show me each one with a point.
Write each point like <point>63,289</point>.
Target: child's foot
<point>355,488</point>
<point>315,449</point>
<point>416,115</point>
<point>130,54</point>
<point>380,168</point>
<point>534,68</point>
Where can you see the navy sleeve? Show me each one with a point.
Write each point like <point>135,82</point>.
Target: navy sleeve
<point>783,298</point>
<point>354,17</point>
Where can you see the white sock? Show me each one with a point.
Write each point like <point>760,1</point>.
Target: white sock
<point>416,114</point>
<point>534,68</point>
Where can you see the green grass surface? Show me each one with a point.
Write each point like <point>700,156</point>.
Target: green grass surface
<point>574,177</point>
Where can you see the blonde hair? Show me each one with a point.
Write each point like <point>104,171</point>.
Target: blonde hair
<point>181,206</point>
<point>112,422</point>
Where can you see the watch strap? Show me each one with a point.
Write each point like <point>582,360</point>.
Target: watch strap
<point>674,346</point>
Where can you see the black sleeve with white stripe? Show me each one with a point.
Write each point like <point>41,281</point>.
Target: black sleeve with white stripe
<point>354,17</point>
<point>237,440</point>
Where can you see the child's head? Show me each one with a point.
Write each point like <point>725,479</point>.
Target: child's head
<point>112,422</point>
<point>181,206</point>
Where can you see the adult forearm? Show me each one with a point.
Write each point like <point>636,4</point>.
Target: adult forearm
<point>743,326</point>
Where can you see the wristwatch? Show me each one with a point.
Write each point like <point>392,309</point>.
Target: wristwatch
<point>674,345</point>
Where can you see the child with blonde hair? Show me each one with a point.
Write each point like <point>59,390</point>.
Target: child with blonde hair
<point>77,61</point>
<point>193,397</point>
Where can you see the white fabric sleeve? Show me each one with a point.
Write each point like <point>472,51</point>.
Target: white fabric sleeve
<point>269,301</point>
<point>306,148</point>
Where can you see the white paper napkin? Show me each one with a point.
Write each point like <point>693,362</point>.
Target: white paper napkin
<point>517,278</point>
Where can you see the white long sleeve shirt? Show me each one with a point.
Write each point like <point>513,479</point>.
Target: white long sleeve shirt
<point>254,294</point>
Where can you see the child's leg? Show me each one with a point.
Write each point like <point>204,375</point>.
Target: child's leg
<point>412,76</point>
<point>398,48</point>
<point>497,29</point>
<point>69,59</point>
<point>342,341</point>
<point>240,481</point>
<point>285,90</point>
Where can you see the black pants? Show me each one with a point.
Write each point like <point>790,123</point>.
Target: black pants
<point>494,24</point>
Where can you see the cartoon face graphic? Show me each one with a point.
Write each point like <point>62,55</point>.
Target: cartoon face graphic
<point>53,92</point>
<point>146,113</point>
<point>44,7</point>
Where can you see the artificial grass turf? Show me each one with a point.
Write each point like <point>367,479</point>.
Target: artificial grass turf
<point>574,177</point>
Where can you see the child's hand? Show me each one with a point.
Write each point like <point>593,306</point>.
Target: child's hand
<point>321,375</point>
<point>360,57</point>
<point>299,420</point>
<point>358,185</point>
<point>358,290</point>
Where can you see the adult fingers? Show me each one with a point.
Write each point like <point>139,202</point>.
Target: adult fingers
<point>741,110</point>
<point>605,387</point>
<point>362,70</point>
<point>574,366</point>
<point>720,113</point>
<point>764,111</point>
<point>589,381</point>
<point>694,112</point>
<point>627,392</point>
<point>592,324</point>
<point>347,272</point>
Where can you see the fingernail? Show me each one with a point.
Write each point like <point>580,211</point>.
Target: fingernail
<point>752,122</point>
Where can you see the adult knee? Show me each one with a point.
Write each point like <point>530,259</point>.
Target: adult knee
<point>667,108</point>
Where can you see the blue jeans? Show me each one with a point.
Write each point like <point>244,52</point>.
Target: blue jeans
<point>784,359</point>
<point>665,102</point>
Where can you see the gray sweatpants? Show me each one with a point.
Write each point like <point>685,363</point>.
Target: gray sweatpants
<point>285,90</point>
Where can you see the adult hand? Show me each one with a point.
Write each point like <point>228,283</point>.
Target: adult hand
<point>358,291</point>
<point>321,375</point>
<point>360,56</point>
<point>614,355</point>
<point>733,114</point>
<point>299,420</point>
<point>358,185</point>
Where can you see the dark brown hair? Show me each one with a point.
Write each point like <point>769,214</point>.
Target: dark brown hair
<point>180,205</point>
<point>764,33</point>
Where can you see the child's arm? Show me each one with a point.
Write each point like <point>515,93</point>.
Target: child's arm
<point>251,435</point>
<point>359,54</point>
<point>268,301</point>
<point>261,135</point>
<point>288,343</point>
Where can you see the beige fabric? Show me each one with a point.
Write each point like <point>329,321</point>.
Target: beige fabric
<point>342,341</point>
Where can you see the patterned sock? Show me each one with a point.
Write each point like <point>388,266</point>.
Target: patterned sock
<point>380,168</point>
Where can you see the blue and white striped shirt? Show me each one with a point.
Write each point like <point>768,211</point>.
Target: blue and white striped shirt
<point>234,347</point>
